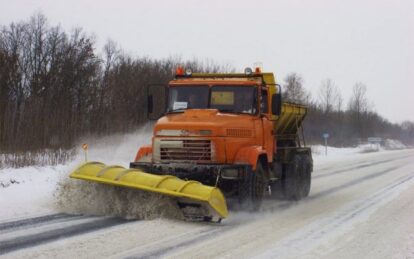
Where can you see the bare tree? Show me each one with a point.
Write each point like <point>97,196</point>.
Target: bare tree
<point>329,96</point>
<point>35,53</point>
<point>5,70</point>
<point>111,55</point>
<point>359,102</point>
<point>339,101</point>
<point>293,90</point>
<point>358,107</point>
<point>13,39</point>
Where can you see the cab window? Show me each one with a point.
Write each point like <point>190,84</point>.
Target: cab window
<point>264,104</point>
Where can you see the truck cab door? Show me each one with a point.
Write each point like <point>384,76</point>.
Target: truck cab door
<point>267,124</point>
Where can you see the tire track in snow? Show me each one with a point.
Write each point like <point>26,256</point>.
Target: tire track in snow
<point>59,233</point>
<point>352,183</point>
<point>297,244</point>
<point>36,221</point>
<point>365,160</point>
<point>358,166</point>
<point>188,239</point>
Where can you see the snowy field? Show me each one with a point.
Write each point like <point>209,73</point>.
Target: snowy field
<point>360,206</point>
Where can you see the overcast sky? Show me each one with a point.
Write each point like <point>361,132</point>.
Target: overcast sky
<point>348,41</point>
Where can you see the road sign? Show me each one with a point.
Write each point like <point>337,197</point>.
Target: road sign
<point>326,136</point>
<point>374,140</point>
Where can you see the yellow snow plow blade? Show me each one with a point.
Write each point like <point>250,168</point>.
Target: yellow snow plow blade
<point>190,193</point>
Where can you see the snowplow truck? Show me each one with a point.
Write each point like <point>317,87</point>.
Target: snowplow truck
<point>223,137</point>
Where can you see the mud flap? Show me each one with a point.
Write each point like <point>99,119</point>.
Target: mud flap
<point>189,194</point>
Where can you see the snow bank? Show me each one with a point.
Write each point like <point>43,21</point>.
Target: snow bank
<point>27,191</point>
<point>333,153</point>
<point>367,148</point>
<point>319,150</point>
<point>393,144</point>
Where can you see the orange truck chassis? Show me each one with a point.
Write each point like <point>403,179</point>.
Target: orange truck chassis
<point>233,132</point>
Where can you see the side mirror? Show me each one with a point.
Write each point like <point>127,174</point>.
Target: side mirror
<point>156,101</point>
<point>150,104</point>
<point>276,104</point>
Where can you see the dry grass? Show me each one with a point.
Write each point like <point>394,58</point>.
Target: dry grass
<point>36,158</point>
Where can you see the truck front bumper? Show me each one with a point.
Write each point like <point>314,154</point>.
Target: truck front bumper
<point>199,172</point>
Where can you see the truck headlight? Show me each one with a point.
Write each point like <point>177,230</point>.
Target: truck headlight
<point>230,173</point>
<point>205,132</point>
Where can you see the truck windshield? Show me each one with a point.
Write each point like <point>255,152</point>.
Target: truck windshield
<point>232,99</point>
<point>187,97</point>
<point>235,99</point>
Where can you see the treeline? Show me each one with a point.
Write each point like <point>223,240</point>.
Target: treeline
<point>347,123</point>
<point>56,88</point>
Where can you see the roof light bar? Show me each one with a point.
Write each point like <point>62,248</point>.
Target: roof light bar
<point>188,72</point>
<point>248,71</point>
<point>179,71</point>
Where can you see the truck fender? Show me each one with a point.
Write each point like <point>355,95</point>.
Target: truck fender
<point>249,155</point>
<point>143,151</point>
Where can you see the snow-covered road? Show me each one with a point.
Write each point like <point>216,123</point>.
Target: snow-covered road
<point>360,206</point>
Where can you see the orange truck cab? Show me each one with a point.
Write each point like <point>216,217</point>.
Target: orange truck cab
<point>231,131</point>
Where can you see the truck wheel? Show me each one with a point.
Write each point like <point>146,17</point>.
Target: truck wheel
<point>292,181</point>
<point>252,188</point>
<point>306,175</point>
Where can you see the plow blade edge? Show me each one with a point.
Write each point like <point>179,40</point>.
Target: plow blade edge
<point>209,199</point>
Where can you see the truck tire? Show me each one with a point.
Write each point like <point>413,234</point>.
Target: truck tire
<point>252,188</point>
<point>306,175</point>
<point>292,180</point>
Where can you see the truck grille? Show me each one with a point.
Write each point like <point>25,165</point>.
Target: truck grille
<point>239,133</point>
<point>197,150</point>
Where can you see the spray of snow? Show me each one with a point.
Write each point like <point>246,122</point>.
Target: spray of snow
<point>87,198</point>
<point>117,149</point>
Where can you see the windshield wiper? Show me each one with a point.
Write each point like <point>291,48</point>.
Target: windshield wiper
<point>227,110</point>
<point>235,112</point>
<point>177,110</point>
